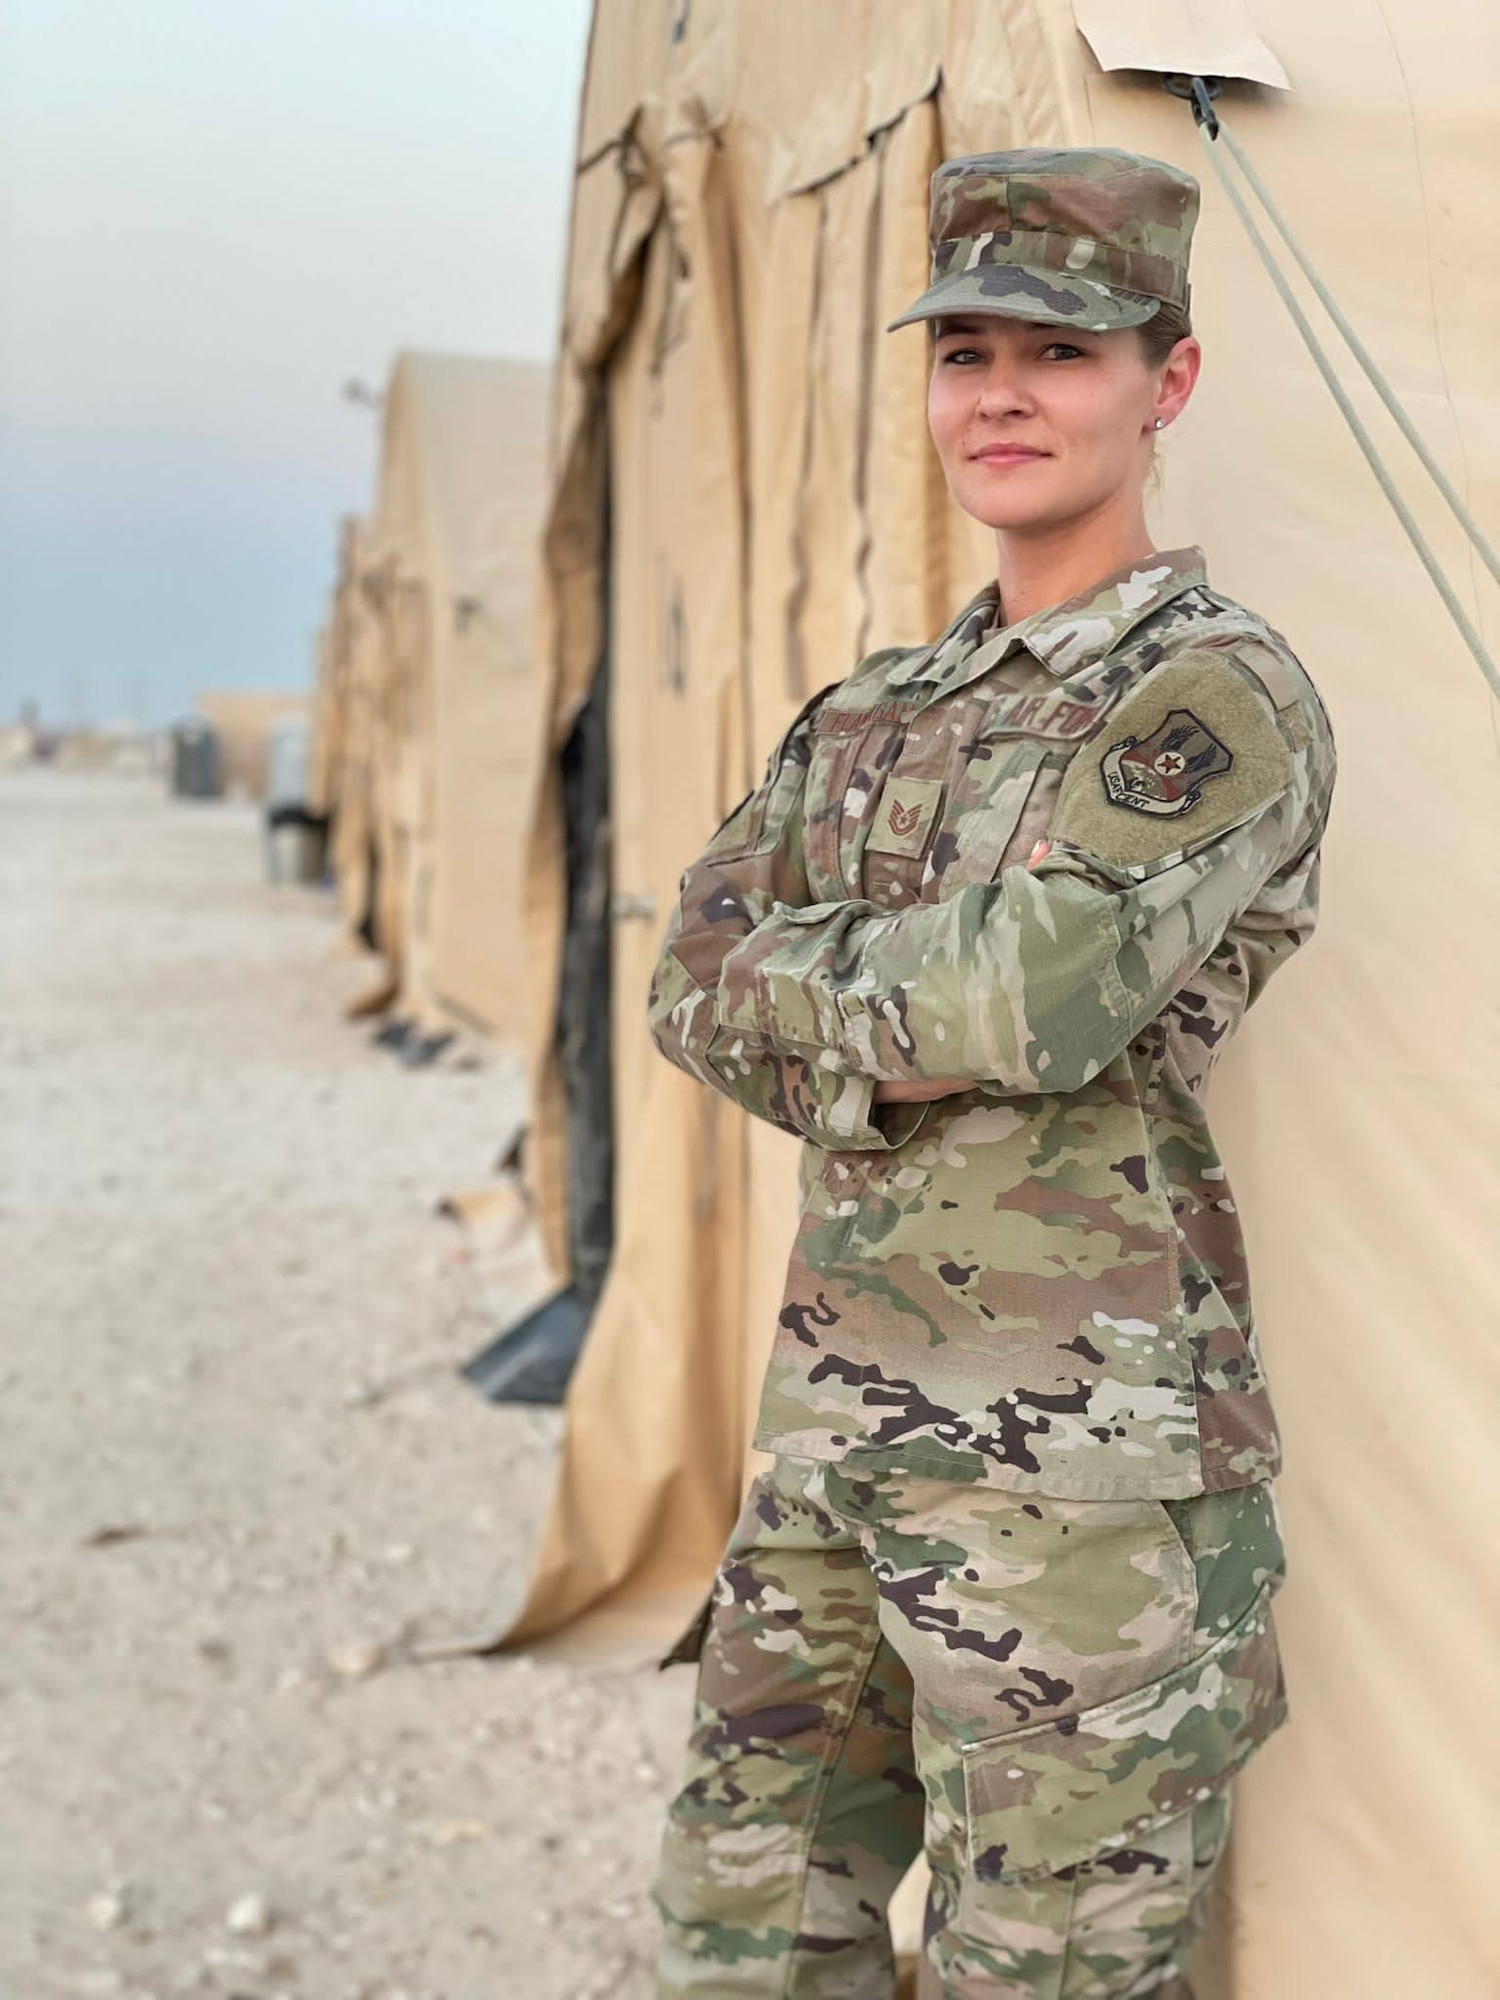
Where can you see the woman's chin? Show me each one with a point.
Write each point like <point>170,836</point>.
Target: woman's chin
<point>1011,499</point>
<point>1016,519</point>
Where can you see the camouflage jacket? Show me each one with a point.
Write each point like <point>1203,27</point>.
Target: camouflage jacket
<point>1057,860</point>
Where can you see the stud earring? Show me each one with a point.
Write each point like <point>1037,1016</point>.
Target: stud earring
<point>1161,423</point>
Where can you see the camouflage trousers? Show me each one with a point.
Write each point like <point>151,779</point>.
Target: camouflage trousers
<point>1051,1695</point>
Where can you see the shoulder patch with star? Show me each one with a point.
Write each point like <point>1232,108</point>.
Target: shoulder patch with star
<point>1166,771</point>
<point>1189,752</point>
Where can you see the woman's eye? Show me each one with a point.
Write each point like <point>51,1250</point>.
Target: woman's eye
<point>960,356</point>
<point>1062,350</point>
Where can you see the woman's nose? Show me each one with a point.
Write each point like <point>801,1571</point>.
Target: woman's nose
<point>1001,395</point>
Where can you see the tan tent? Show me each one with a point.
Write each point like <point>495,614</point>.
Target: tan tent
<point>342,763</point>
<point>427,706</point>
<point>243,720</point>
<point>744,500</point>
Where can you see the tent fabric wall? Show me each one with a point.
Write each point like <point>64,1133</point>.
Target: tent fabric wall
<point>750,202</point>
<point>427,706</point>
<point>341,766</point>
<point>332,687</point>
<point>243,719</point>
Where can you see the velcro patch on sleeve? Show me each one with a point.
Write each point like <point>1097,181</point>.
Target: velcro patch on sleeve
<point>1192,751</point>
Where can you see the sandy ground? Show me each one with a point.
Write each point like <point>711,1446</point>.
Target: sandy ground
<point>238,1478</point>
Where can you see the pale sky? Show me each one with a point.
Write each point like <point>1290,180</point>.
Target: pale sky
<point>212,214</point>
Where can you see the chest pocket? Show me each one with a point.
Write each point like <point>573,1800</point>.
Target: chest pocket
<point>898,820</point>
<point>1001,792</point>
<point>854,756</point>
<point>907,806</point>
<point>1008,765</point>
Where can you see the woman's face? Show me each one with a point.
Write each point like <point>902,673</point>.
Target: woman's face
<point>1038,426</point>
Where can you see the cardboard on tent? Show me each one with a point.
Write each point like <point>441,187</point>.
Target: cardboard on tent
<point>744,501</point>
<point>427,701</point>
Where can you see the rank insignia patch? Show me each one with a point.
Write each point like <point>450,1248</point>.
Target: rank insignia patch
<point>1164,773</point>
<point>907,810</point>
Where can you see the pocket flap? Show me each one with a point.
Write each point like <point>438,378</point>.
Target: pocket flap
<point>1059,1793</point>
<point>973,843</point>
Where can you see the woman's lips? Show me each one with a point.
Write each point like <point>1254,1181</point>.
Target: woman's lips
<point>1009,454</point>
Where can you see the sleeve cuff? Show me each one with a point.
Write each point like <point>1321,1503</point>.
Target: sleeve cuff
<point>818,1094</point>
<point>871,1127</point>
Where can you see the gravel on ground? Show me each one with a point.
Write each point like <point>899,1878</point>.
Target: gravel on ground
<point>240,1482</point>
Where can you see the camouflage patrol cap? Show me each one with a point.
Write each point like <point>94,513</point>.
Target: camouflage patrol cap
<point>1072,236</point>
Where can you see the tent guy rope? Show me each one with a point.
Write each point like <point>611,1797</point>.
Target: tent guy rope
<point>1211,128</point>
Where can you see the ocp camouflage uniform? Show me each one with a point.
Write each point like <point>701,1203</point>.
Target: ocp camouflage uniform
<point>1061,1687</point>
<point>1010,1573</point>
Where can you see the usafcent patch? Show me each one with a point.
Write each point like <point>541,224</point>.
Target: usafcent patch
<point>1166,771</point>
<point>1193,749</point>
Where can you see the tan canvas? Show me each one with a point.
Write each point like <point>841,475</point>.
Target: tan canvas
<point>339,781</point>
<point>427,741</point>
<point>243,719</point>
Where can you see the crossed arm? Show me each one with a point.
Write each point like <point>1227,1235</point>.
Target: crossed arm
<point>842,1021</point>
<point>754,867</point>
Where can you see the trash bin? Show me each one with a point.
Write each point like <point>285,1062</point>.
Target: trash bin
<point>296,839</point>
<point>194,763</point>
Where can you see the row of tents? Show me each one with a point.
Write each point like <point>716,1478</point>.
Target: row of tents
<point>558,655</point>
<point>426,707</point>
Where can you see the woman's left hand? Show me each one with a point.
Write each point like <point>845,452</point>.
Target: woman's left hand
<point>920,1092</point>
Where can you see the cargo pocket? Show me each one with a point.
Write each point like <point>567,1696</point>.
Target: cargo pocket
<point>1066,1794</point>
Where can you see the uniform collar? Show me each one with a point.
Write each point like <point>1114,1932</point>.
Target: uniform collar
<point>1063,637</point>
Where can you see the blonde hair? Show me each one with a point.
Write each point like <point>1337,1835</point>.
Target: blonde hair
<point>1161,333</point>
